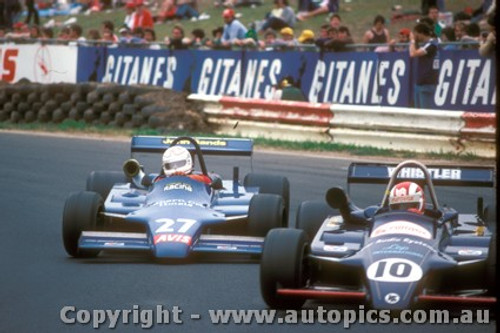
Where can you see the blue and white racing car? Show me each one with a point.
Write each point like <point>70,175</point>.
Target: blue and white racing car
<point>172,217</point>
<point>383,256</point>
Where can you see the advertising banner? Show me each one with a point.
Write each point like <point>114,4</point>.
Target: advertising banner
<point>466,80</point>
<point>38,63</point>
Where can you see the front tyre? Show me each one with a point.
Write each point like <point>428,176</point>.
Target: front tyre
<point>81,213</point>
<point>270,184</point>
<point>283,265</point>
<point>266,212</point>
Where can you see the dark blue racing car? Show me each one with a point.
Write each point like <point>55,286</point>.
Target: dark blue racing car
<point>174,216</point>
<point>400,254</point>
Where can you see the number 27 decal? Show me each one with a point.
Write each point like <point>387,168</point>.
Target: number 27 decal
<point>168,224</point>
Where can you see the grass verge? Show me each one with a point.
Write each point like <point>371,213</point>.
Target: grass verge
<point>80,127</point>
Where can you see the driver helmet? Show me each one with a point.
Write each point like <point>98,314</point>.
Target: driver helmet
<point>177,161</point>
<point>407,196</point>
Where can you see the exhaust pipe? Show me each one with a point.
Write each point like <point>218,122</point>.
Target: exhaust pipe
<point>132,169</point>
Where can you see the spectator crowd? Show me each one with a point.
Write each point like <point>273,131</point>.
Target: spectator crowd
<point>276,31</point>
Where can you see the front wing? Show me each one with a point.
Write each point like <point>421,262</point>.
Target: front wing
<point>103,240</point>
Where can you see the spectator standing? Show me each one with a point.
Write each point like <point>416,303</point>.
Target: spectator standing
<point>448,35</point>
<point>310,8</point>
<point>35,32</point>
<point>269,40</point>
<point>129,16</point>
<point>109,28</point>
<point>434,16</point>
<point>150,38</point>
<point>93,35</point>
<point>47,33</point>
<point>289,90</point>
<point>32,12</point>
<point>280,17</point>
<point>378,33</point>
<point>403,38</point>
<point>488,44</point>
<point>216,41</point>
<point>287,40</point>
<point>76,33</point>
<point>462,36</point>
<point>426,67</point>
<point>234,31</point>
<point>12,8</point>
<point>176,40</point>
<point>307,40</point>
<point>198,40</point>
<point>142,16</point>
<point>335,21</point>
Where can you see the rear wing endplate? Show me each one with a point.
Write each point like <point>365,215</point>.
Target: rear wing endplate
<point>208,146</point>
<point>442,175</point>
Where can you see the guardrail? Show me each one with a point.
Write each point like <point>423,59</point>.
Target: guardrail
<point>418,130</point>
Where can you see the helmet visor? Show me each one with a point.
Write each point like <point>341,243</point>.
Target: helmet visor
<point>405,206</point>
<point>174,165</point>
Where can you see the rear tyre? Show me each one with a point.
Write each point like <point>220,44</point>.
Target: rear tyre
<point>284,265</point>
<point>266,212</point>
<point>103,181</point>
<point>270,184</point>
<point>311,215</point>
<point>81,213</point>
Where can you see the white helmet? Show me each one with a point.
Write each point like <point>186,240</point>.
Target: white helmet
<point>177,161</point>
<point>407,196</point>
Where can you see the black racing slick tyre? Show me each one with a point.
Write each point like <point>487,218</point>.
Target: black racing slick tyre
<point>265,212</point>
<point>271,184</point>
<point>283,265</point>
<point>311,215</point>
<point>103,181</point>
<point>81,213</point>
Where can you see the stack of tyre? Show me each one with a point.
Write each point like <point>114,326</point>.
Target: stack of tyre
<point>96,104</point>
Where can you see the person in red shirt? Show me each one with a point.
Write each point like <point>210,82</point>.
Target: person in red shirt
<point>142,17</point>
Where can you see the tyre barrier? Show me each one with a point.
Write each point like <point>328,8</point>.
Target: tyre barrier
<point>417,130</point>
<point>128,107</point>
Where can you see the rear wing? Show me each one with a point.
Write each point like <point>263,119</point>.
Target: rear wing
<point>208,146</point>
<point>375,173</point>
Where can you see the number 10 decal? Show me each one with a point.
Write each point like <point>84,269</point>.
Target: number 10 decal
<point>394,270</point>
<point>168,223</point>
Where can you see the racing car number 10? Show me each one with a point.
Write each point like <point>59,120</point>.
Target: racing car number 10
<point>394,270</point>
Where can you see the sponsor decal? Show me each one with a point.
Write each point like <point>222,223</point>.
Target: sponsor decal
<point>175,202</point>
<point>401,227</point>
<point>335,248</point>
<point>436,173</point>
<point>398,270</point>
<point>172,238</point>
<point>201,142</point>
<point>114,244</point>
<point>469,252</point>
<point>226,247</point>
<point>397,249</point>
<point>392,298</point>
<point>178,186</point>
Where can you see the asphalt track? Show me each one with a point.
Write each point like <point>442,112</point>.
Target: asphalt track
<point>38,279</point>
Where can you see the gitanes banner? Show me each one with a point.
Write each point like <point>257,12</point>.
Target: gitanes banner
<point>466,80</point>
